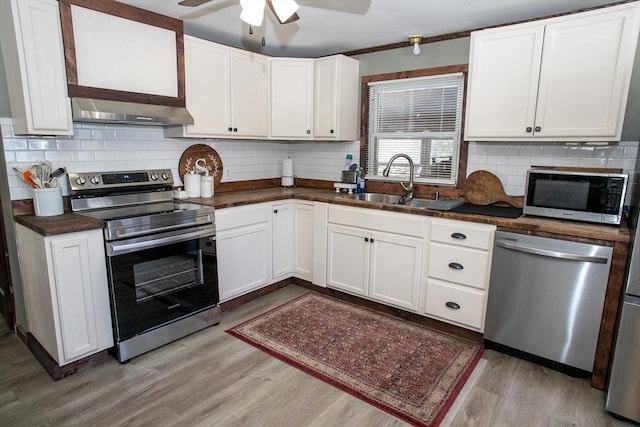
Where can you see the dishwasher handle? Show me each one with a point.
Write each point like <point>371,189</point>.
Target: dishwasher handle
<point>551,254</point>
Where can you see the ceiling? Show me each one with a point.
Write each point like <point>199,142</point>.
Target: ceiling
<point>334,26</point>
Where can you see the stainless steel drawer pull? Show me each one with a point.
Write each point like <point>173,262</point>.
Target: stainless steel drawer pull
<point>456,266</point>
<point>453,305</point>
<point>458,236</point>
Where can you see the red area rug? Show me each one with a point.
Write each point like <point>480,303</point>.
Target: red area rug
<point>410,371</point>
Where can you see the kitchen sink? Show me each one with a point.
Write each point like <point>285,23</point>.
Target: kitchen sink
<point>390,199</point>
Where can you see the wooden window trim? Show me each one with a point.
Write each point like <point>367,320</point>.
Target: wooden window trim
<point>421,190</point>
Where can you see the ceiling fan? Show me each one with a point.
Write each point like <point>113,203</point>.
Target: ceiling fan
<point>253,10</point>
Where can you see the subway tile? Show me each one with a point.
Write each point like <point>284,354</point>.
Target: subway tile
<point>70,145</point>
<point>29,156</point>
<point>580,151</point>
<point>92,145</point>
<point>58,156</point>
<point>42,144</point>
<point>593,162</point>
<point>15,144</point>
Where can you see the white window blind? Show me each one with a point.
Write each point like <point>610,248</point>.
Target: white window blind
<point>420,117</point>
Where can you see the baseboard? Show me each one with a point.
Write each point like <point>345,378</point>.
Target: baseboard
<point>56,371</point>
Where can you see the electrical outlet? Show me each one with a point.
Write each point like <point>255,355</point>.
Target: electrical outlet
<point>227,173</point>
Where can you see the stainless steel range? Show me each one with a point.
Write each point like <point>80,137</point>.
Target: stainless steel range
<point>160,254</point>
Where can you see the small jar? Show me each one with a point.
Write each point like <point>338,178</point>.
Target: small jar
<point>206,186</point>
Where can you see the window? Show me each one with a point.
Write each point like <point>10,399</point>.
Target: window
<point>420,117</point>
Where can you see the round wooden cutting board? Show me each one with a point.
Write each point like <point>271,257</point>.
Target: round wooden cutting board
<point>212,162</point>
<point>484,188</point>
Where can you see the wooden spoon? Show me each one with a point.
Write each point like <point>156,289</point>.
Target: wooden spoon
<point>484,188</point>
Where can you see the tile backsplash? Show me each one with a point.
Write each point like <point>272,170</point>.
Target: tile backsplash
<point>99,147</point>
<point>510,160</point>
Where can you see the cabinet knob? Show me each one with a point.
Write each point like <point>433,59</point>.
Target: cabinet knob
<point>275,211</point>
<point>230,129</point>
<point>529,129</point>
<point>235,129</point>
<point>308,132</point>
<point>372,240</point>
<point>453,305</point>
<point>456,266</point>
<point>458,236</point>
<point>366,239</point>
<point>538,128</point>
<point>332,131</point>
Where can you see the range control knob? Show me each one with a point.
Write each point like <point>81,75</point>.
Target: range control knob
<point>165,176</point>
<point>154,176</point>
<point>80,180</point>
<point>95,179</point>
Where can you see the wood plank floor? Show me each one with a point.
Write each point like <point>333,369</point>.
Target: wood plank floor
<point>212,379</point>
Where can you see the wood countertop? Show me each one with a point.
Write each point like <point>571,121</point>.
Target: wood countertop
<point>71,222</point>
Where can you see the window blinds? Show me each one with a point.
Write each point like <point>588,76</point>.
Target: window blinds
<point>420,117</point>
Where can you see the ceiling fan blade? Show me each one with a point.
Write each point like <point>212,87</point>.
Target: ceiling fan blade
<point>292,18</point>
<point>192,3</point>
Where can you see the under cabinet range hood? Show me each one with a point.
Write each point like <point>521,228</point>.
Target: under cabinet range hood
<point>105,111</point>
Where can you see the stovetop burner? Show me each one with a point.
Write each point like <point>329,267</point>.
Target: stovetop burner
<point>134,203</point>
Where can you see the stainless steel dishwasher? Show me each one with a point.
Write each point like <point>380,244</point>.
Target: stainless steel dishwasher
<point>546,298</point>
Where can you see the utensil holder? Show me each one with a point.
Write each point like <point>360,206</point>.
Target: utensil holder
<point>192,184</point>
<point>48,201</point>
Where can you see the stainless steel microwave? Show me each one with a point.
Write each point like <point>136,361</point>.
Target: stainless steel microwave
<point>581,196</point>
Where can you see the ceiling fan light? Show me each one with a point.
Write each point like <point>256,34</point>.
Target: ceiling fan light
<point>252,11</point>
<point>284,8</point>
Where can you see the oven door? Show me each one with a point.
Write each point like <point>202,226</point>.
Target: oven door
<point>158,279</point>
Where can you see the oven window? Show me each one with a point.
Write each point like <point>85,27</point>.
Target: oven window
<point>154,286</point>
<point>161,276</point>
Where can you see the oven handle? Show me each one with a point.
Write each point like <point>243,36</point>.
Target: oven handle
<point>117,248</point>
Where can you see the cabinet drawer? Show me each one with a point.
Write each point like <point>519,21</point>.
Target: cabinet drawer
<point>460,265</point>
<point>242,216</point>
<point>456,303</point>
<point>461,233</point>
<point>390,222</point>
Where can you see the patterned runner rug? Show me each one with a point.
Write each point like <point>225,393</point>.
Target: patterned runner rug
<point>405,369</point>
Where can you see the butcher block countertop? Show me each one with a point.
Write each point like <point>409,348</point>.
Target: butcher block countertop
<point>72,222</point>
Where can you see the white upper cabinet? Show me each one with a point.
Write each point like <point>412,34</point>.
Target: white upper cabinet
<point>560,79</point>
<point>336,98</point>
<point>291,98</point>
<point>33,56</point>
<point>226,91</point>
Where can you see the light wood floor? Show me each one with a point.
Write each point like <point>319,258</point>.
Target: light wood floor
<point>213,379</point>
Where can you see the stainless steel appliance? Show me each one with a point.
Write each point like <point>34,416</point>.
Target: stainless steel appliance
<point>624,383</point>
<point>546,298</point>
<point>581,196</point>
<point>160,256</point>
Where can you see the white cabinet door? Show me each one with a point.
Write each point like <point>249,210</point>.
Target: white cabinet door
<point>249,94</point>
<point>584,75</point>
<point>348,253</point>
<point>207,87</point>
<point>303,232</point>
<point>396,270</point>
<point>291,98</point>
<point>502,88</point>
<point>336,98</point>
<point>244,259</point>
<point>31,39</point>
<point>73,270</point>
<point>559,79</point>
<point>282,236</point>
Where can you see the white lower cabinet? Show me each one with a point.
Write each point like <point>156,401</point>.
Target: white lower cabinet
<point>66,293</point>
<point>243,239</point>
<point>262,244</point>
<point>458,272</point>
<point>376,254</point>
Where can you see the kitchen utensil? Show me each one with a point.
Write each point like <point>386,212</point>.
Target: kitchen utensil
<point>31,179</point>
<point>484,188</point>
<point>57,173</point>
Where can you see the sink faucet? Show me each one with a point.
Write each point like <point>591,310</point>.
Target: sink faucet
<point>408,190</point>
